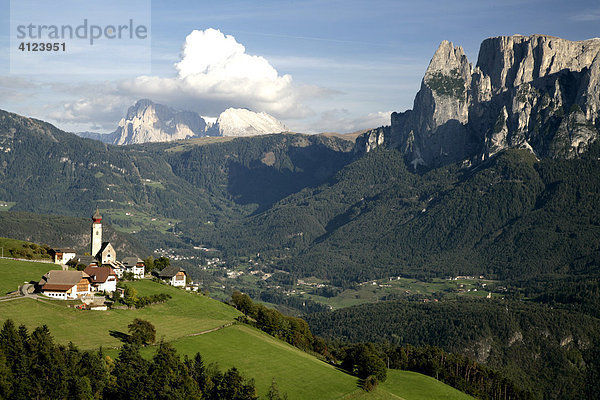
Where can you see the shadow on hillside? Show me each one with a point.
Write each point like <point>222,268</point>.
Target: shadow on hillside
<point>122,336</point>
<point>265,183</point>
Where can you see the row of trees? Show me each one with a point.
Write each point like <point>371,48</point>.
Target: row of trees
<point>131,299</point>
<point>293,330</point>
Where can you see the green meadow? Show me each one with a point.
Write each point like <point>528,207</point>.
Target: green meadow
<point>15,273</point>
<point>184,319</point>
<point>184,314</point>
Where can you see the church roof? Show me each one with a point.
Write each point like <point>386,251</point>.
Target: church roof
<point>104,246</point>
<point>97,215</point>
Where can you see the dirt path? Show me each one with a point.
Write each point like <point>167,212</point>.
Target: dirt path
<point>211,330</point>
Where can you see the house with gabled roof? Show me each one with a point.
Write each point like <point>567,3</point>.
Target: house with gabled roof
<point>174,276</point>
<point>134,265</point>
<point>63,256</point>
<point>65,284</point>
<point>103,279</point>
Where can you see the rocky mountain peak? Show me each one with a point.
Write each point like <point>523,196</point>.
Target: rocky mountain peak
<point>537,92</point>
<point>146,121</point>
<point>511,61</point>
<point>243,122</point>
<point>448,60</point>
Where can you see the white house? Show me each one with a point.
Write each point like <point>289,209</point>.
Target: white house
<point>65,284</point>
<point>134,265</point>
<point>174,276</point>
<point>63,256</point>
<point>103,279</point>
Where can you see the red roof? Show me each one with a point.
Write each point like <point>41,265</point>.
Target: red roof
<point>99,274</point>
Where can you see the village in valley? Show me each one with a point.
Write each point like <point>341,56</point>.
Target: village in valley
<point>92,275</point>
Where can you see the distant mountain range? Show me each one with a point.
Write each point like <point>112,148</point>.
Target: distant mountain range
<point>147,122</point>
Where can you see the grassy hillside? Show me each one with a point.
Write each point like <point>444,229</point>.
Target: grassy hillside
<point>415,386</point>
<point>253,352</point>
<point>184,314</point>
<point>15,273</point>
<point>299,374</point>
<point>23,249</point>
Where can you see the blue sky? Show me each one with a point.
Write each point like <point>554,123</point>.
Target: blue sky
<point>339,65</point>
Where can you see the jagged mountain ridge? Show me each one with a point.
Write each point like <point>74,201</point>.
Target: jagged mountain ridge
<point>147,121</point>
<point>536,92</point>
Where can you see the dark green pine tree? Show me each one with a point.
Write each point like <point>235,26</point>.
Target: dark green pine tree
<point>233,386</point>
<point>6,378</point>
<point>14,344</point>
<point>197,371</point>
<point>131,375</point>
<point>170,378</point>
<point>92,365</point>
<point>47,366</point>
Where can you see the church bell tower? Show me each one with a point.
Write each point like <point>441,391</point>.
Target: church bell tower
<point>96,233</point>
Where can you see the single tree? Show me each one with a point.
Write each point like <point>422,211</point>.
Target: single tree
<point>141,332</point>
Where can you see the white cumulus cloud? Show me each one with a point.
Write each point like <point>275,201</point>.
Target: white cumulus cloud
<point>342,121</point>
<point>215,72</point>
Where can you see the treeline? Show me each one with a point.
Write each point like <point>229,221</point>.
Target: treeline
<point>548,352</point>
<point>131,299</point>
<point>369,361</point>
<point>18,249</point>
<point>294,331</point>
<point>32,366</point>
<point>580,293</point>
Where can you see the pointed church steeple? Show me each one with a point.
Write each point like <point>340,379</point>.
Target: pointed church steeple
<point>97,217</point>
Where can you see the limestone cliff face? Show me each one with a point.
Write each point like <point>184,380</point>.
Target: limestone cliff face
<point>371,139</point>
<point>536,92</point>
<point>150,122</point>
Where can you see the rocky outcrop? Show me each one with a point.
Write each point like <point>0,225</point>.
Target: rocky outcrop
<point>150,122</point>
<point>536,92</point>
<point>371,139</point>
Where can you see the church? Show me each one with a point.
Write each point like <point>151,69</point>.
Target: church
<point>104,254</point>
<point>100,275</point>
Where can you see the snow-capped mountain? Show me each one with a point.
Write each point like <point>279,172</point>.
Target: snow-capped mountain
<point>150,122</point>
<point>242,122</point>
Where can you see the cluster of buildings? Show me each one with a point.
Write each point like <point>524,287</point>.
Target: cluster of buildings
<point>102,271</point>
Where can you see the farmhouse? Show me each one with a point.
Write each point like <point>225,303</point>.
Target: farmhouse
<point>103,279</point>
<point>174,276</point>
<point>65,284</point>
<point>63,256</point>
<point>134,265</point>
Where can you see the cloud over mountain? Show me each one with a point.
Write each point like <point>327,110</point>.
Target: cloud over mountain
<point>215,70</point>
